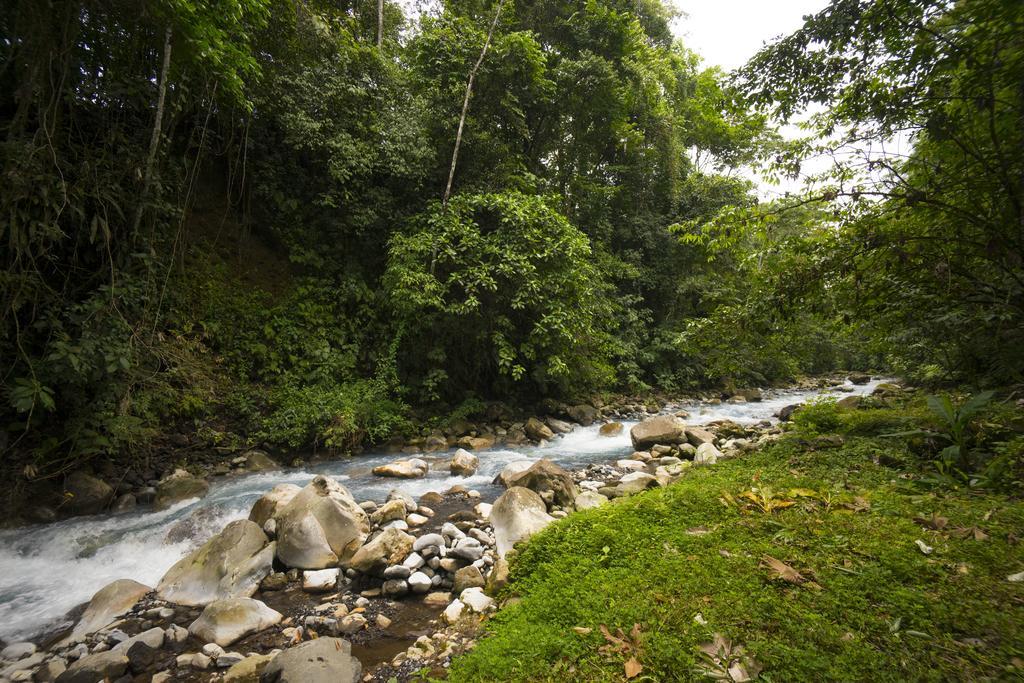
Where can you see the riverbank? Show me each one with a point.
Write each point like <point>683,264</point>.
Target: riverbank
<point>827,555</point>
<point>368,605</point>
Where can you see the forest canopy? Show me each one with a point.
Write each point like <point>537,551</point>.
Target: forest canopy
<point>232,215</point>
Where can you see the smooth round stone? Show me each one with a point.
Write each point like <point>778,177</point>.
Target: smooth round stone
<point>397,571</point>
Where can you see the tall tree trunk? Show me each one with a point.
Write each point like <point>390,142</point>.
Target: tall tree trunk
<point>154,139</point>
<point>380,24</point>
<point>465,104</point>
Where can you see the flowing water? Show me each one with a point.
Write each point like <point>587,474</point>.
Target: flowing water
<point>48,570</point>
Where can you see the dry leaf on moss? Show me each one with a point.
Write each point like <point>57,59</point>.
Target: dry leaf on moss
<point>777,569</point>
<point>633,667</point>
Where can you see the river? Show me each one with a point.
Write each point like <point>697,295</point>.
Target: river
<point>48,570</point>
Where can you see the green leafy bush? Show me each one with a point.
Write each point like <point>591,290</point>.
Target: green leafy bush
<point>501,289</point>
<point>818,417</point>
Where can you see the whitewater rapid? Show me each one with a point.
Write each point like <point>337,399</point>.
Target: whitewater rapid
<point>48,570</point>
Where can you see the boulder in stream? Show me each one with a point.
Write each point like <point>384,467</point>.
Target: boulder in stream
<point>229,565</point>
<point>413,468</point>
<point>666,430</point>
<point>271,502</point>
<point>321,527</point>
<point>106,605</point>
<point>225,621</point>
<point>324,660</point>
<point>177,487</point>
<point>516,515</point>
<point>88,494</point>
<point>463,463</point>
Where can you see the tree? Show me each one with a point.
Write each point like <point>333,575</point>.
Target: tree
<point>931,239</point>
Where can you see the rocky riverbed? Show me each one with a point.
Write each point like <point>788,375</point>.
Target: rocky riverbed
<point>364,575</point>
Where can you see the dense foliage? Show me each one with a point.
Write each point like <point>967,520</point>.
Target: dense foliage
<point>225,218</point>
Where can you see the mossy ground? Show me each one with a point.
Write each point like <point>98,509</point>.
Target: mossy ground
<point>874,606</point>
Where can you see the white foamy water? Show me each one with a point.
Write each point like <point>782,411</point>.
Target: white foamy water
<point>48,570</point>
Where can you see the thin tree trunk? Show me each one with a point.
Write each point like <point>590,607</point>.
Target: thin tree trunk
<point>154,139</point>
<point>465,104</point>
<point>380,24</point>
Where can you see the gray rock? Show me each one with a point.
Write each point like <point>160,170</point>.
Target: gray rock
<point>225,621</point>
<point>153,638</point>
<point>177,487</point>
<point>516,515</point>
<point>463,463</point>
<point>428,540</point>
<point>697,436</point>
<point>324,660</point>
<point>419,582</point>
<point>587,500</point>
<point>635,482</point>
<point>388,548</point>
<point>538,431</point>
<point>413,468</point>
<point>320,580</point>
<point>467,577</point>
<point>558,426</point>
<point>397,571</point>
<point>707,454</point>
<point>95,668</point>
<point>663,429</point>
<point>107,604</point>
<point>322,526</point>
<point>229,565</point>
<point>543,476</point>
<point>88,494</point>
<point>267,507</point>
<point>583,413</point>
<point>16,651</point>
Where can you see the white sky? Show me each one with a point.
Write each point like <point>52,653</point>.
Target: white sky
<point>729,32</point>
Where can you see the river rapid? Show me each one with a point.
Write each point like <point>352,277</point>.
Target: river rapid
<point>48,570</point>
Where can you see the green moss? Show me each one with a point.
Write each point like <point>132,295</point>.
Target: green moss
<point>884,610</point>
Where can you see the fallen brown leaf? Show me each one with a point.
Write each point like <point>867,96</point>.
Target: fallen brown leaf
<point>969,532</point>
<point>777,569</point>
<point>935,521</point>
<point>633,667</point>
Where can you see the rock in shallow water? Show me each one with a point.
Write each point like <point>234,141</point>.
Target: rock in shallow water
<point>666,430</point>
<point>463,463</point>
<point>225,621</point>
<point>516,515</point>
<point>229,565</point>
<point>177,487</point>
<point>107,604</point>
<point>321,527</point>
<point>324,660</point>
<point>403,469</point>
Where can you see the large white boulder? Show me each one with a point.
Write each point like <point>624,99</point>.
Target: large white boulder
<point>663,429</point>
<point>271,502</point>
<point>413,468</point>
<point>388,548</point>
<point>321,527</point>
<point>225,621</point>
<point>107,604</point>
<point>324,660</point>
<point>463,463</point>
<point>517,514</point>
<point>229,565</point>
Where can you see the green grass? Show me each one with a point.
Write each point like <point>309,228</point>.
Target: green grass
<point>885,611</point>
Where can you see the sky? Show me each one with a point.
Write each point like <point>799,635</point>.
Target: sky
<point>729,32</point>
